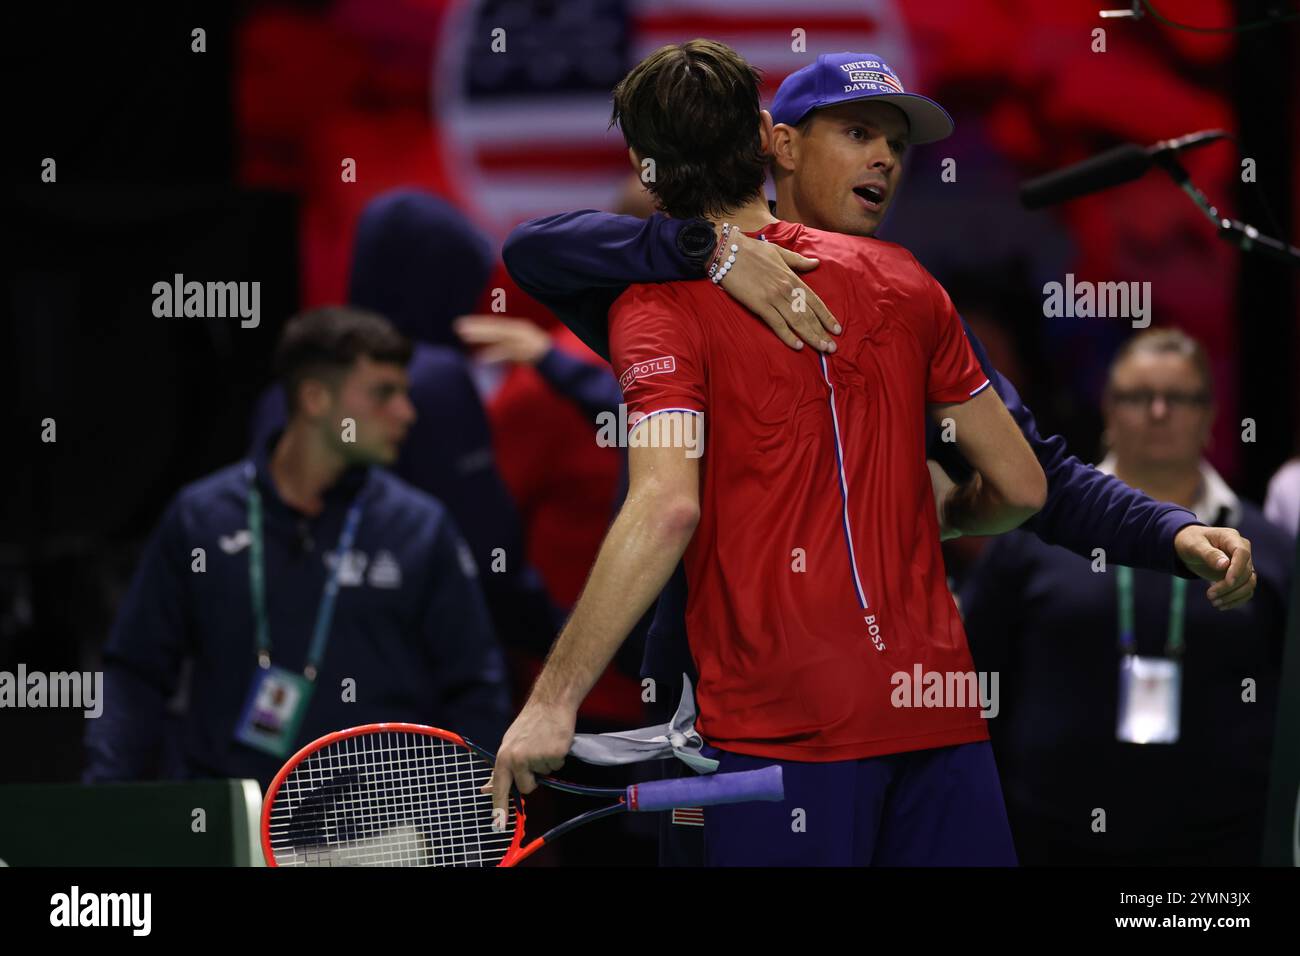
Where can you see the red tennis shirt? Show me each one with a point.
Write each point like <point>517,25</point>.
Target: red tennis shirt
<point>817,598</point>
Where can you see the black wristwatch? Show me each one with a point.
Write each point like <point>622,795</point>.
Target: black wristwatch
<point>696,241</point>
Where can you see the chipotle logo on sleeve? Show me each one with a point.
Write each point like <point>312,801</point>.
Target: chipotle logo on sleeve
<point>655,366</point>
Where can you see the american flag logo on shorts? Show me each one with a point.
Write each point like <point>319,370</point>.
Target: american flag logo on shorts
<point>688,816</point>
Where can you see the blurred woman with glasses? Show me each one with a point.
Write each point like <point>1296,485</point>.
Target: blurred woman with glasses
<point>1135,725</point>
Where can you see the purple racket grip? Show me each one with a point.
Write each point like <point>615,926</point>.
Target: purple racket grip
<point>707,790</point>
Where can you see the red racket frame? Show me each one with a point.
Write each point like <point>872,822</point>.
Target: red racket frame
<point>515,853</point>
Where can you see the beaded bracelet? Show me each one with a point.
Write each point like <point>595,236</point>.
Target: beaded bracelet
<point>726,266</point>
<point>719,249</point>
<point>718,272</point>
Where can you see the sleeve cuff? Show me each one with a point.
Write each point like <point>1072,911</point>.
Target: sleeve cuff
<point>555,364</point>
<point>1170,524</point>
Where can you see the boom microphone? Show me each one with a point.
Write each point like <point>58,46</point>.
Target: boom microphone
<point>1111,168</point>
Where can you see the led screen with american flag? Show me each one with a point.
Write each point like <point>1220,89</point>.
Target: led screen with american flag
<point>527,129</point>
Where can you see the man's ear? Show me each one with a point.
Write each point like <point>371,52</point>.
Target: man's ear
<point>636,161</point>
<point>315,396</point>
<point>783,146</point>
<point>765,132</point>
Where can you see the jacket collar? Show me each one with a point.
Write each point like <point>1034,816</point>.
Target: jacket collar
<point>344,490</point>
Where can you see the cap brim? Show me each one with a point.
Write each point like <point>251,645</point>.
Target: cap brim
<point>928,120</point>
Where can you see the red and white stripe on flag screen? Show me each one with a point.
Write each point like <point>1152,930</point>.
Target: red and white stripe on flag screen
<point>525,131</point>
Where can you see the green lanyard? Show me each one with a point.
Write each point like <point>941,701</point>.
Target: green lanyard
<point>257,580</point>
<point>1177,609</point>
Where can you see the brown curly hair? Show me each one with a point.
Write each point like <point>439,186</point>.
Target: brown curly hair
<point>693,108</point>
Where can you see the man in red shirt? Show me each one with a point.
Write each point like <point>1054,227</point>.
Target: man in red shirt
<point>819,617</point>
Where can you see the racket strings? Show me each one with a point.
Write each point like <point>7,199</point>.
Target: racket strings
<point>388,798</point>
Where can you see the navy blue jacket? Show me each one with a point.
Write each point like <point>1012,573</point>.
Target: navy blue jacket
<point>419,263</point>
<point>412,631</point>
<point>593,388</point>
<point>578,263</point>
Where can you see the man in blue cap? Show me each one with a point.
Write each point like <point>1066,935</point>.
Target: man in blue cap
<point>842,127</point>
<point>822,115</point>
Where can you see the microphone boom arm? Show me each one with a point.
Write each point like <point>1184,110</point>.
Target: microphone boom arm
<point>1241,234</point>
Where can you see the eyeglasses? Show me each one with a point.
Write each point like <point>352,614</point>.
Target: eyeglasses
<point>1141,398</point>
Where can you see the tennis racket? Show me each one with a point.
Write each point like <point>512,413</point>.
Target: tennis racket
<point>408,795</point>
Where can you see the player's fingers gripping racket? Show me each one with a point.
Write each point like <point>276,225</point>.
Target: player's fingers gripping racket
<point>408,795</point>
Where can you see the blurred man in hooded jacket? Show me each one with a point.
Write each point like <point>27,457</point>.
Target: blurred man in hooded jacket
<point>420,263</point>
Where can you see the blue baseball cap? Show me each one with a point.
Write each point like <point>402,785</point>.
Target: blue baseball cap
<point>847,77</point>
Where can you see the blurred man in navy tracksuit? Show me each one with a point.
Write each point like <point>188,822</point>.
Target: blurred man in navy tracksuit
<point>408,637</point>
<point>419,263</point>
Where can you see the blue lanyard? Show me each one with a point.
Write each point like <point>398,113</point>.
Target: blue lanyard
<point>1127,625</point>
<point>257,579</point>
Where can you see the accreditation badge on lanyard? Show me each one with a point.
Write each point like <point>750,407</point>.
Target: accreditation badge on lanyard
<point>1150,688</point>
<point>273,711</point>
<point>277,698</point>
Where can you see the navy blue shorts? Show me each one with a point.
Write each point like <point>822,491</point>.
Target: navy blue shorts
<point>937,807</point>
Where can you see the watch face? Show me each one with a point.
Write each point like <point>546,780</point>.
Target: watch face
<point>696,240</point>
